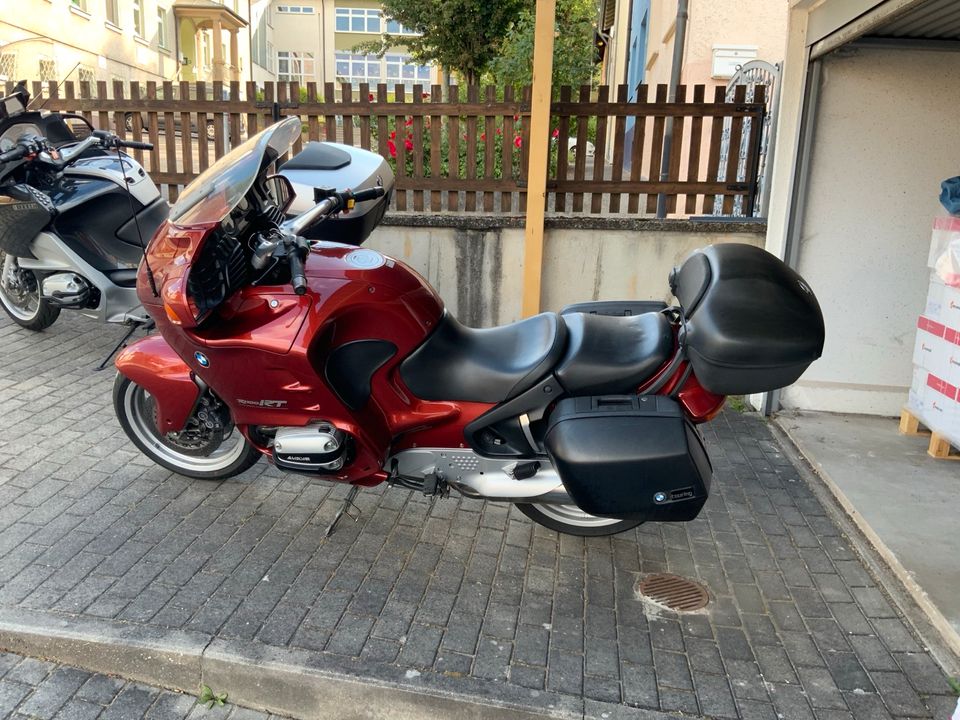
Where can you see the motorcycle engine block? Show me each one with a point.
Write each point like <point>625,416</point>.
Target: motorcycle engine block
<point>320,448</point>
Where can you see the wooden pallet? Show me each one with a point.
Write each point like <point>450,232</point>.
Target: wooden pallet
<point>940,447</point>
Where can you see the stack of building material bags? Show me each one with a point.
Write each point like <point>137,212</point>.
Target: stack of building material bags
<point>935,391</point>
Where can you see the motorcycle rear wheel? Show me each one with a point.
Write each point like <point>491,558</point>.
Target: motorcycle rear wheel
<point>20,296</point>
<point>219,458</point>
<point>572,520</point>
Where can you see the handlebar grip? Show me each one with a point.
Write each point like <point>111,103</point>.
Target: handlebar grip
<point>368,194</point>
<point>135,144</point>
<point>14,154</point>
<point>297,274</point>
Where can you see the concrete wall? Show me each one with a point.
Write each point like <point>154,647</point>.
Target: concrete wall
<point>479,272</point>
<point>885,136</point>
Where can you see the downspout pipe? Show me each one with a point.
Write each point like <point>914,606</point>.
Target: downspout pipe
<point>679,41</point>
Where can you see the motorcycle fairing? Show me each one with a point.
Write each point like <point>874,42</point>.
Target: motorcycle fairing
<point>153,365</point>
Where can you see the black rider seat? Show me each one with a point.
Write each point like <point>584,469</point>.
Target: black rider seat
<point>484,365</point>
<point>607,354</point>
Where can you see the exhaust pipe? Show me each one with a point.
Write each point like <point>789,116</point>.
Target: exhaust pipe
<point>483,478</point>
<point>545,488</point>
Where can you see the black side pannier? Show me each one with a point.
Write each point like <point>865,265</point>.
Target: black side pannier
<point>752,323</point>
<point>629,456</point>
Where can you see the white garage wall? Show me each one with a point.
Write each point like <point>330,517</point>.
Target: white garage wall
<point>887,133</point>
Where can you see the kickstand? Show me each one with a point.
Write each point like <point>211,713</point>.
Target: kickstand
<point>123,343</point>
<point>345,510</point>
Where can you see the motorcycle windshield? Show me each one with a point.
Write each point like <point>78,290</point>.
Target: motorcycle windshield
<point>211,197</point>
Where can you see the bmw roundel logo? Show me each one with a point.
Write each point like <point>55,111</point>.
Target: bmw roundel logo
<point>202,359</point>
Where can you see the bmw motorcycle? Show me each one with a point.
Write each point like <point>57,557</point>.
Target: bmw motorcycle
<point>71,217</point>
<point>340,362</point>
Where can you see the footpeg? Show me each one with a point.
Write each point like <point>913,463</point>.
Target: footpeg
<point>525,470</point>
<point>434,485</point>
<point>345,510</point>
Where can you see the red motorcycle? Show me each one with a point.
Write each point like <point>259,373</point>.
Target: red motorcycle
<point>337,361</point>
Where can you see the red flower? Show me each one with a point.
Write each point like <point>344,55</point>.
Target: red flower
<point>483,136</point>
<point>370,97</point>
<point>556,132</point>
<point>392,147</point>
<point>409,134</point>
<point>393,134</point>
<point>426,94</point>
<point>409,122</point>
<point>516,117</point>
<point>408,145</point>
<point>499,131</point>
<point>517,141</point>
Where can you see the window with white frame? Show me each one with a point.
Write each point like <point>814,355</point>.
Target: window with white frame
<point>396,28</point>
<point>402,70</point>
<point>47,69</point>
<point>8,66</point>
<point>359,20</point>
<point>270,56</point>
<point>356,69</point>
<point>293,66</point>
<point>86,74</point>
<point>295,9</point>
<point>112,11</point>
<point>79,5</point>
<point>259,44</point>
<point>163,23</point>
<point>138,17</point>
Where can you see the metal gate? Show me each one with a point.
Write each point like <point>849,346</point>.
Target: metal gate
<point>753,74</point>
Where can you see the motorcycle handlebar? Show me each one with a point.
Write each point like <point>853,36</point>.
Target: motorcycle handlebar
<point>368,194</point>
<point>298,276</point>
<point>135,144</point>
<point>14,154</point>
<point>109,140</point>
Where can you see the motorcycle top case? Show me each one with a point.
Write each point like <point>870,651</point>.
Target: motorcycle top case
<point>333,165</point>
<point>752,323</point>
<point>630,457</point>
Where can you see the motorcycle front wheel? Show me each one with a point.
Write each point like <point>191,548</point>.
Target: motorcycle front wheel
<point>198,451</point>
<point>20,296</point>
<point>572,520</point>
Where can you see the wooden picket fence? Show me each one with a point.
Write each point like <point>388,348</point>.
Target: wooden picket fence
<point>458,149</point>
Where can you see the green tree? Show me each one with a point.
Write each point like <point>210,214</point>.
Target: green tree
<point>573,49</point>
<point>462,35</point>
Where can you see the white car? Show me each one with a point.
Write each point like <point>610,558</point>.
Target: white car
<point>572,148</point>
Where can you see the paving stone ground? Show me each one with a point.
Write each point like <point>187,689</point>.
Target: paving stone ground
<point>475,593</point>
<point>36,690</point>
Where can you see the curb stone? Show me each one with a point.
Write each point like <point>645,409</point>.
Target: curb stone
<point>294,682</point>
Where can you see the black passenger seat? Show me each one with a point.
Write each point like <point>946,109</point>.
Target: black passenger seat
<point>607,354</point>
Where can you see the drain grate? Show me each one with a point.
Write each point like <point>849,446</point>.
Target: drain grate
<point>674,592</point>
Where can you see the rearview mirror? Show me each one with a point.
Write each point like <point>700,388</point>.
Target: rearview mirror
<point>280,190</point>
<point>78,125</point>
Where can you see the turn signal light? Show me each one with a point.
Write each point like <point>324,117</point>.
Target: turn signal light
<point>171,314</point>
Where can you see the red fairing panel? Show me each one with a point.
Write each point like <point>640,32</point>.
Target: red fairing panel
<point>153,365</point>
<point>266,349</point>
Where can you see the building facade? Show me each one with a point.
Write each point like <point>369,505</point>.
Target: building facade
<point>316,41</point>
<point>143,40</point>
<point>721,35</point>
